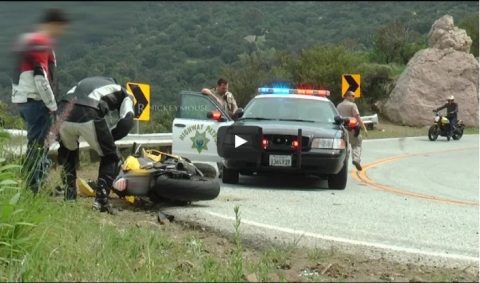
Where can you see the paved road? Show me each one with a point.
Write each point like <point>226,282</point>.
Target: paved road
<point>414,200</point>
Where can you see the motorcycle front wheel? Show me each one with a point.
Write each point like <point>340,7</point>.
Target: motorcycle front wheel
<point>433,132</point>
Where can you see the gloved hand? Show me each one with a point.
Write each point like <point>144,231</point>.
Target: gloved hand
<point>123,127</point>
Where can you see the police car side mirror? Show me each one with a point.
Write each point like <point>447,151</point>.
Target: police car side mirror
<point>338,120</point>
<point>238,114</point>
<point>216,115</point>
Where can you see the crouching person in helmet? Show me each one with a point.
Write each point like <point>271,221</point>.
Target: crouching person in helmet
<point>84,108</point>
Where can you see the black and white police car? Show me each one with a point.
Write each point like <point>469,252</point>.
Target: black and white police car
<point>280,130</point>
<point>286,131</point>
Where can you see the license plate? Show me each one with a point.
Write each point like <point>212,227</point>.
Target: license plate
<point>280,160</point>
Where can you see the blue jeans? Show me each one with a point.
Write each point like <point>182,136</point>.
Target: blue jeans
<point>38,120</point>
<point>453,123</point>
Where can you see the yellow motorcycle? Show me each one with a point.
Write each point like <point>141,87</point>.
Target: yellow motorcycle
<point>160,176</point>
<point>441,126</point>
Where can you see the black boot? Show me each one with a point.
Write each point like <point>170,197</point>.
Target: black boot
<point>69,188</point>
<point>101,197</point>
<point>357,165</point>
<point>71,193</point>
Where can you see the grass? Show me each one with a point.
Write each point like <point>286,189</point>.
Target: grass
<point>16,221</point>
<point>237,255</point>
<point>276,257</point>
<point>50,240</point>
<point>69,242</point>
<point>76,244</point>
<point>471,131</point>
<point>317,254</point>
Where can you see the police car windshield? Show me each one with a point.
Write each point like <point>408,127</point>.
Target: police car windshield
<point>290,108</point>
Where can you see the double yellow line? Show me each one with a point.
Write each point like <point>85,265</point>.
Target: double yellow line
<point>362,177</point>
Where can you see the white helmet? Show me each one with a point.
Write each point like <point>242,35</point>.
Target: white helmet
<point>451,97</point>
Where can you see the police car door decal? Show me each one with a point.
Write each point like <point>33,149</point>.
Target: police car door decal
<point>194,136</point>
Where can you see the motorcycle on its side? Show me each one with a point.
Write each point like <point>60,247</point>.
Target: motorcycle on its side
<point>159,176</point>
<point>441,125</point>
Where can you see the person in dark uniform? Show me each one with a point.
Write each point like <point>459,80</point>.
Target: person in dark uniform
<point>84,108</point>
<point>452,111</point>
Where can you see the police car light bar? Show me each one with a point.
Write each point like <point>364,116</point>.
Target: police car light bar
<point>315,92</point>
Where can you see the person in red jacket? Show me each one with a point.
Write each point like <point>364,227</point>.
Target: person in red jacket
<point>33,90</point>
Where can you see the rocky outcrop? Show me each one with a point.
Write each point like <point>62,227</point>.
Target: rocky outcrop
<point>444,34</point>
<point>445,68</point>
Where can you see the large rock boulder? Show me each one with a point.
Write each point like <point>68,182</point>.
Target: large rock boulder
<point>444,34</point>
<point>433,74</point>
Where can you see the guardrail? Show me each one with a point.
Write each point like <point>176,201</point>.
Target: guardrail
<point>159,139</point>
<point>15,132</point>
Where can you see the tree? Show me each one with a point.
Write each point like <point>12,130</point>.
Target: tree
<point>253,19</point>
<point>7,119</point>
<point>160,121</point>
<point>470,24</point>
<point>377,83</point>
<point>323,66</point>
<point>253,71</point>
<point>396,43</point>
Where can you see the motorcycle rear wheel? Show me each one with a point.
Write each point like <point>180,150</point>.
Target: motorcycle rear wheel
<point>433,132</point>
<point>457,134</point>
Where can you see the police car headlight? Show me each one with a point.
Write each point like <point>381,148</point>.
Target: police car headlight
<point>328,143</point>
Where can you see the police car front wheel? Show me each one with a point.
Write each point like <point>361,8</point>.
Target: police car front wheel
<point>339,181</point>
<point>230,176</point>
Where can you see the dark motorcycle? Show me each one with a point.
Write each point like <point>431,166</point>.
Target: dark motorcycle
<point>441,125</point>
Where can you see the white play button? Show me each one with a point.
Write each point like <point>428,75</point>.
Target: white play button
<point>239,141</point>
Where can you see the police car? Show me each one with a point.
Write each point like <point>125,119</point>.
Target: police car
<point>280,130</point>
<point>194,130</point>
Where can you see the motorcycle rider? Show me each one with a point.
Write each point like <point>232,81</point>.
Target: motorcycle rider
<point>452,110</point>
<point>84,108</point>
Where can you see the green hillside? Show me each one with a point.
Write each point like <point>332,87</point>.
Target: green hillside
<point>187,45</point>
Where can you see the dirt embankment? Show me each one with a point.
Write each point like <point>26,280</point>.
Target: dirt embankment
<point>285,262</point>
